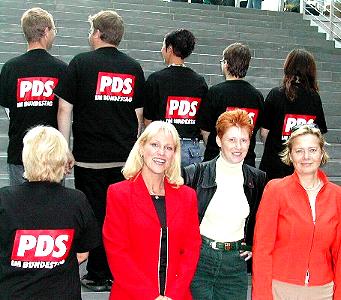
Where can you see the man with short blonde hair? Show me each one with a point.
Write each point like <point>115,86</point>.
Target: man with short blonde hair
<point>104,90</point>
<point>27,84</point>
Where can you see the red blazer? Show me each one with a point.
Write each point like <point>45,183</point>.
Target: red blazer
<point>287,244</point>
<point>132,232</point>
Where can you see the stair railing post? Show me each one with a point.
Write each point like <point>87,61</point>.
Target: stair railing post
<point>237,3</point>
<point>281,5</point>
<point>331,24</point>
<point>302,10</point>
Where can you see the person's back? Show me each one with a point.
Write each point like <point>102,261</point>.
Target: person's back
<point>174,94</point>
<point>27,83</point>
<point>295,103</point>
<point>104,91</point>
<point>43,225</point>
<point>45,229</point>
<point>104,87</point>
<point>231,94</point>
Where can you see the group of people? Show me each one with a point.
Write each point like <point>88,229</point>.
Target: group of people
<point>173,227</point>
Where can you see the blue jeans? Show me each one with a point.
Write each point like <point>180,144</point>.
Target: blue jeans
<point>220,275</point>
<point>192,151</point>
<point>15,173</point>
<point>254,4</point>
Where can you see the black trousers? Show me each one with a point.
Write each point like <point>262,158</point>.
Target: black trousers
<point>94,184</point>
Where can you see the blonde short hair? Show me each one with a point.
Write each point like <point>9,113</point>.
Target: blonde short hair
<point>135,161</point>
<point>44,154</point>
<point>303,130</point>
<point>34,22</point>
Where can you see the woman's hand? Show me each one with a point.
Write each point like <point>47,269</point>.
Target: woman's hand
<point>70,163</point>
<point>163,298</point>
<point>246,255</point>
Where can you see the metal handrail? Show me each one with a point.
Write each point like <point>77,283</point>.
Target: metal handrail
<point>332,19</point>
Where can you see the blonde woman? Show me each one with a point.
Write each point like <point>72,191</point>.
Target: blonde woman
<point>45,229</point>
<point>151,231</point>
<point>298,228</point>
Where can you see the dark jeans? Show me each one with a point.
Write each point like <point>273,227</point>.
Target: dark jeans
<point>15,173</point>
<point>220,275</point>
<point>94,184</point>
<point>221,2</point>
<point>192,151</point>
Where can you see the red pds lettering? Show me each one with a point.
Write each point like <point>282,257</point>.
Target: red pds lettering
<point>51,245</point>
<point>291,120</point>
<point>115,84</point>
<point>182,107</point>
<point>36,88</point>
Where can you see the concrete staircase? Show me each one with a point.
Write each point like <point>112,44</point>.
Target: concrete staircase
<point>270,35</point>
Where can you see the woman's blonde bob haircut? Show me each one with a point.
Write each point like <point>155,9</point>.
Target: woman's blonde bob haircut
<point>135,161</point>
<point>303,130</point>
<point>44,154</point>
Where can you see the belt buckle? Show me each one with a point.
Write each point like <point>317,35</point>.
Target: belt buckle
<point>214,245</point>
<point>227,246</point>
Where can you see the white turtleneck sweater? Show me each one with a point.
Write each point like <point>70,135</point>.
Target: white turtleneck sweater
<point>224,219</point>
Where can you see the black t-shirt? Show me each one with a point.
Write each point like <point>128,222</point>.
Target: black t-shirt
<point>26,88</point>
<point>43,225</point>
<point>229,95</point>
<point>280,116</point>
<point>174,95</point>
<point>105,87</point>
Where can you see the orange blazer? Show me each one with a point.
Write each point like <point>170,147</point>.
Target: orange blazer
<point>288,246</point>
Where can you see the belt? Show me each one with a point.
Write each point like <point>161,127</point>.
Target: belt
<point>226,246</point>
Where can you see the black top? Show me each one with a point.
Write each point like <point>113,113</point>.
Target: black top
<point>280,116</point>
<point>105,86</point>
<point>202,178</point>
<point>160,207</point>
<point>229,95</point>
<point>26,88</point>
<point>174,94</point>
<point>43,225</point>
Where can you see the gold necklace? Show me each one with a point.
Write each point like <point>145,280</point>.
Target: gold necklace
<point>314,187</point>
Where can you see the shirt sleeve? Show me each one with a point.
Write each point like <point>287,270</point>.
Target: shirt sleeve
<point>67,87</point>
<point>261,108</point>
<point>320,119</point>
<point>90,234</point>
<point>206,115</point>
<point>336,255</point>
<point>269,112</point>
<point>151,105</point>
<point>264,243</point>
<point>139,93</point>
<point>3,87</point>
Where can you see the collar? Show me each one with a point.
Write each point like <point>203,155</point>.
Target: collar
<point>177,65</point>
<point>320,174</point>
<point>210,175</point>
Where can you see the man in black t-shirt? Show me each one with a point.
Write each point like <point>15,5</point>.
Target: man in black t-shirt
<point>174,94</point>
<point>231,94</point>
<point>27,83</point>
<point>104,90</point>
